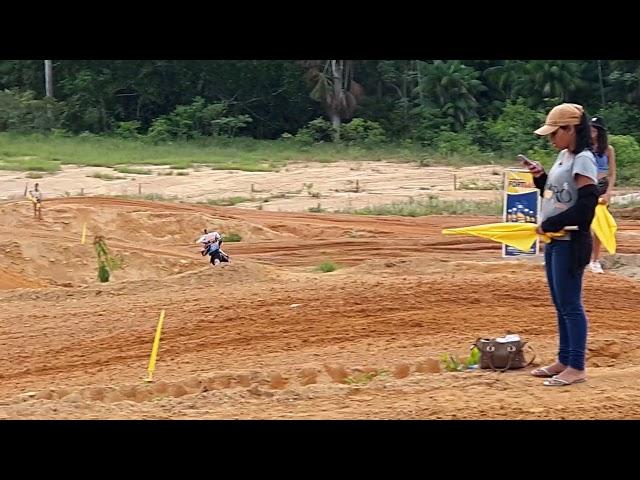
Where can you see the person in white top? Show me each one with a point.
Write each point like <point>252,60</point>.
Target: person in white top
<point>35,195</point>
<point>212,246</point>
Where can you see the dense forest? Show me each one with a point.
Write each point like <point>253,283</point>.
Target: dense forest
<point>450,106</point>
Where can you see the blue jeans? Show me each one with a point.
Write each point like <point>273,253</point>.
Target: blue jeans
<point>566,293</point>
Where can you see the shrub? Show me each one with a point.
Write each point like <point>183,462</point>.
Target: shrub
<point>362,131</point>
<point>512,132</point>
<point>326,267</point>
<point>318,130</point>
<point>127,129</point>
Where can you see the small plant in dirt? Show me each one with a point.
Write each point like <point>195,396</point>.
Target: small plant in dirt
<point>478,185</point>
<point>106,176</point>
<point>474,357</point>
<point>450,363</point>
<point>326,267</point>
<point>232,237</point>
<point>364,378</point>
<point>155,197</point>
<point>317,209</point>
<point>107,263</point>
<point>133,170</point>
<point>455,364</point>
<point>228,201</point>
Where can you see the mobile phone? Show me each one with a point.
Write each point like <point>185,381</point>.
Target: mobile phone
<point>525,160</point>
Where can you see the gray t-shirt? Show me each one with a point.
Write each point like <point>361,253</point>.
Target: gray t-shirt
<point>561,191</point>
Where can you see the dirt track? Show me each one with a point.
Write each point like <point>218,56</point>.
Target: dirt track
<point>268,337</point>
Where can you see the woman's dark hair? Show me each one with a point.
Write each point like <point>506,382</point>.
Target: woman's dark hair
<point>583,135</point>
<point>602,140</point>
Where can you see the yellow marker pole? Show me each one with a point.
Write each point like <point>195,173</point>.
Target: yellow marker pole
<point>84,233</point>
<point>154,350</point>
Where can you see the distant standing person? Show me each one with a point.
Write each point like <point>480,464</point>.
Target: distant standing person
<point>606,160</point>
<point>35,195</point>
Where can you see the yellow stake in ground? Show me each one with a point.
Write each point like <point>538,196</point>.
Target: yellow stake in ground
<point>154,350</point>
<point>84,233</point>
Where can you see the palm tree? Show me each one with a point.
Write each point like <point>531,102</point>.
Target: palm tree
<point>504,77</point>
<point>546,79</point>
<point>451,87</point>
<point>625,80</point>
<point>335,88</point>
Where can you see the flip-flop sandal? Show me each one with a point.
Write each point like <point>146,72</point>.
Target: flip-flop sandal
<point>558,382</point>
<point>545,372</point>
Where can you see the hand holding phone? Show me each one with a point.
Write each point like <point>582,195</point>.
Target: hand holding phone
<point>534,167</point>
<point>525,160</point>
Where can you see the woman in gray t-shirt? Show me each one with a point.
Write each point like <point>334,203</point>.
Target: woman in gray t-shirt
<point>569,198</point>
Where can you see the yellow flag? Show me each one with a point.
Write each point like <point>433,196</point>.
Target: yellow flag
<point>516,235</point>
<point>605,228</point>
<point>154,350</point>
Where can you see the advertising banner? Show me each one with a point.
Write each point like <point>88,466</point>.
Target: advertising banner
<point>521,204</point>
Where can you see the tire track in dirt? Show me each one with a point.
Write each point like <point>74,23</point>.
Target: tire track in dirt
<point>405,295</point>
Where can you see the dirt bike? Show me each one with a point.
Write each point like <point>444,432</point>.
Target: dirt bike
<point>216,256</point>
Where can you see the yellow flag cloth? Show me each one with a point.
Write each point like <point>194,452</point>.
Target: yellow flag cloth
<point>516,235</point>
<point>605,228</point>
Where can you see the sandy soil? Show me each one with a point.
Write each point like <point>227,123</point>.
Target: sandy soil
<point>336,186</point>
<point>267,336</point>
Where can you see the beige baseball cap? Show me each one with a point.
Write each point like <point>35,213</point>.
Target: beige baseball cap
<point>560,116</point>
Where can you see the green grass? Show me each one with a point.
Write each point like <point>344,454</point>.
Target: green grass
<point>451,363</point>
<point>478,185</point>
<point>106,176</point>
<point>228,201</point>
<point>137,171</point>
<point>326,267</point>
<point>232,237</point>
<point>28,164</point>
<point>433,206</point>
<point>156,197</point>
<point>238,153</point>
<point>48,153</point>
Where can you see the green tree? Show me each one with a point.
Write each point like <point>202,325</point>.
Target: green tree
<point>504,77</point>
<point>554,80</point>
<point>335,88</point>
<point>452,87</point>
